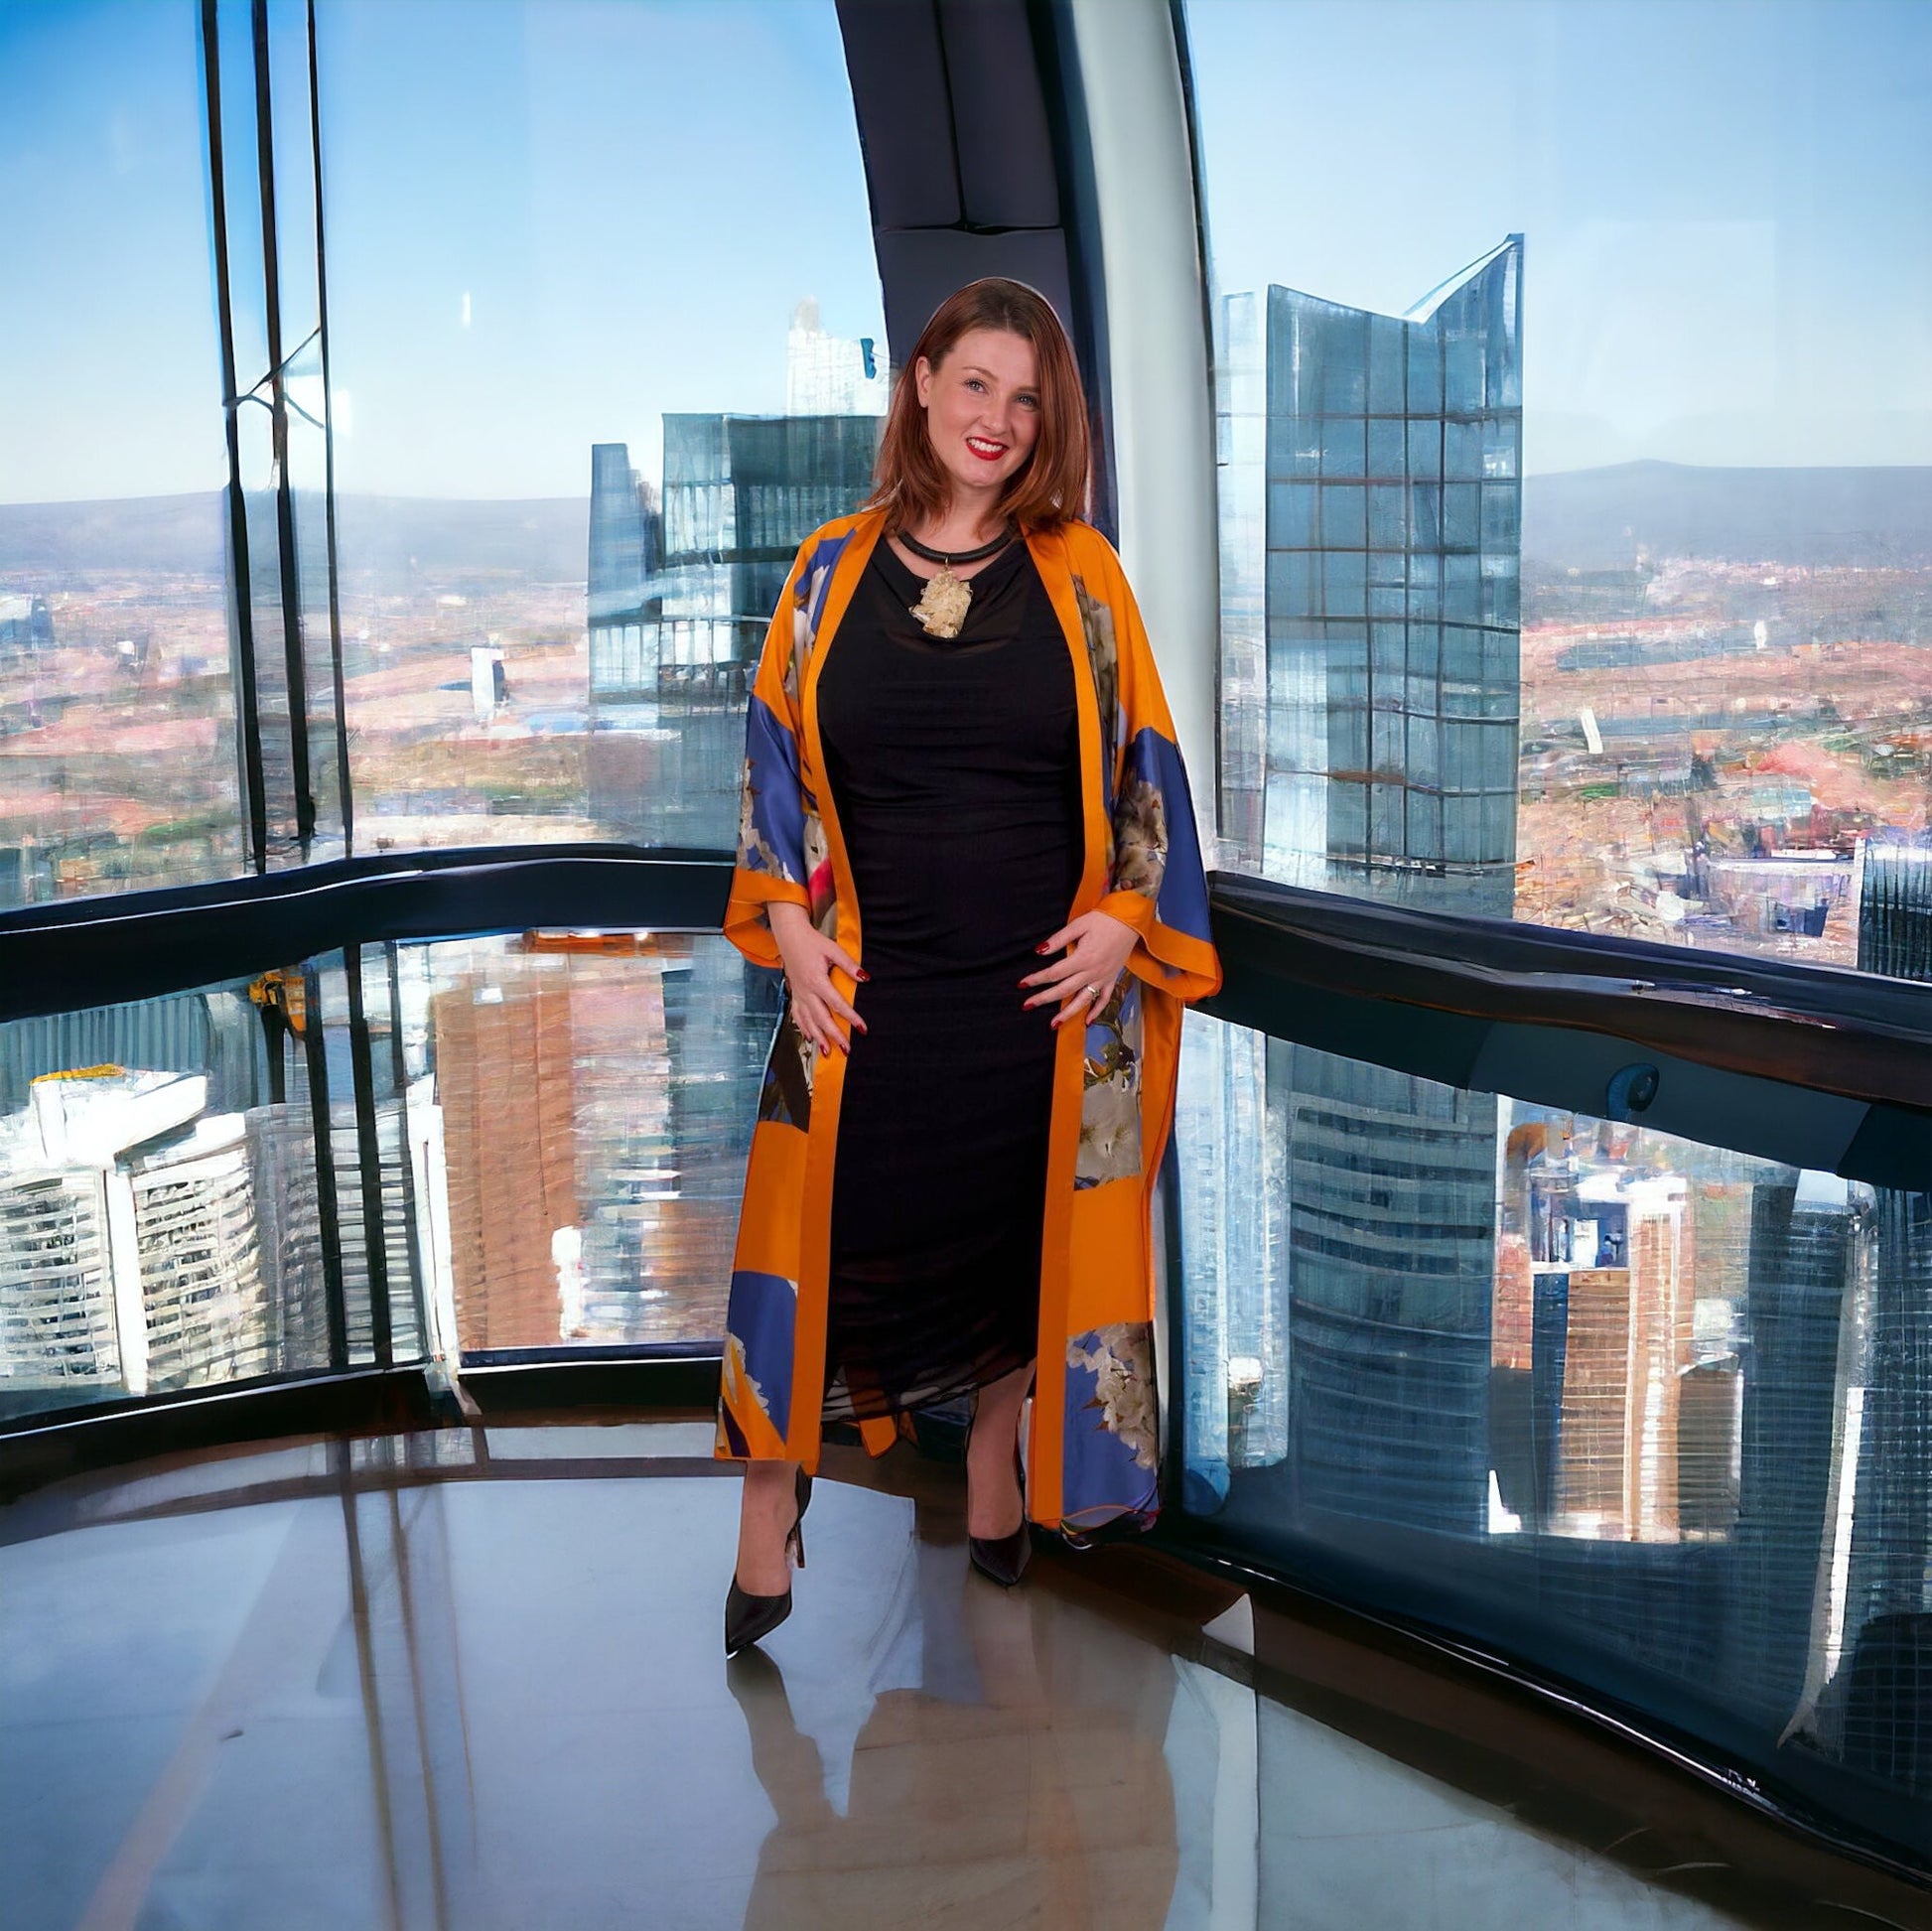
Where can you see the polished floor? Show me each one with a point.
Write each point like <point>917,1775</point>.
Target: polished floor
<point>472,1679</point>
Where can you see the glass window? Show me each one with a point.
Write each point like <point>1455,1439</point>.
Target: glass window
<point>169,1217</point>
<point>119,758</point>
<point>1650,1412</point>
<point>1663,382</point>
<point>589,1104</point>
<point>509,531</point>
<point>1344,525</point>
<point>530,1142</point>
<point>607,340</point>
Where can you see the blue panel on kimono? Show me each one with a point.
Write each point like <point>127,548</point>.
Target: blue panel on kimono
<point>785,1093</point>
<point>1110,1454</point>
<point>774,840</point>
<point>1110,1096</point>
<point>817,576</point>
<point>1182,901</point>
<point>1113,1034</point>
<point>761,1317</point>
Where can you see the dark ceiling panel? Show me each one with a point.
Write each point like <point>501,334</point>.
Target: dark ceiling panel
<point>1003,147</point>
<point>973,126</point>
<point>897,68</point>
<point>920,268</point>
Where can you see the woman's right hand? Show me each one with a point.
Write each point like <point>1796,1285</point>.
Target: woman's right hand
<point>810,959</point>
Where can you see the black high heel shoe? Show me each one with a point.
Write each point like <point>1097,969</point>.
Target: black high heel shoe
<point>1003,1558</point>
<point>751,1618</point>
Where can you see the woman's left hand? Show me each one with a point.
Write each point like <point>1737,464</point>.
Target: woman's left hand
<point>1098,947</point>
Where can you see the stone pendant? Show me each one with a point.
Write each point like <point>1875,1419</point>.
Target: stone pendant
<point>941,609</point>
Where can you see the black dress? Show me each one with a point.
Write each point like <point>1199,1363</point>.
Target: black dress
<point>955,771</point>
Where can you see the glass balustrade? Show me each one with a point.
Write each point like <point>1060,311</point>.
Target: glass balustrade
<point>1646,1413</point>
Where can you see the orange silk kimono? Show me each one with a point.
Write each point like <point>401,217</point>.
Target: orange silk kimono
<point>1093,1447</point>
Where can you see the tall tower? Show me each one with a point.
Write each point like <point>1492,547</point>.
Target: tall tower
<point>1373,664</point>
<point>1894,885</point>
<point>1885,1619</point>
<point>1811,1252</point>
<point>626,549</point>
<point>1391,529</point>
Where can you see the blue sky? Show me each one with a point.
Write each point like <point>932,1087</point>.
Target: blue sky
<point>550,222</point>
<point>1726,207</point>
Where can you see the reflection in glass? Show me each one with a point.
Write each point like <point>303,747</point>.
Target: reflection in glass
<point>160,1197</point>
<point>1650,1412</point>
<point>585,1108</point>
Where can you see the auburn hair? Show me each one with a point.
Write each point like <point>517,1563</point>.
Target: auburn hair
<point>1050,486</point>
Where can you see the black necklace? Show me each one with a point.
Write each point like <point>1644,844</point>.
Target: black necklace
<point>945,600</point>
<point>951,557</point>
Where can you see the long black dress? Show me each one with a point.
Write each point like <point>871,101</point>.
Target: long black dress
<point>954,766</point>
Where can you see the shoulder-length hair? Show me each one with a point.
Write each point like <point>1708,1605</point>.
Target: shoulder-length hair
<point>1050,486</point>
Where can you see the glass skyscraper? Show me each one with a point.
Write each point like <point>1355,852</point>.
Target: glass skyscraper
<point>740,493</point>
<point>1371,558</point>
<point>1379,459</point>
<point>679,604</point>
<point>626,551</point>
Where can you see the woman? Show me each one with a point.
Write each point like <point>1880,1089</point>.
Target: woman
<point>959,760</point>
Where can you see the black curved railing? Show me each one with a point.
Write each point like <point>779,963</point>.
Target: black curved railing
<point>1307,965</point>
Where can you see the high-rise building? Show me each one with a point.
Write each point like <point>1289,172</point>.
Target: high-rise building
<point>1885,1622</point>
<point>831,376</point>
<point>1230,1147</point>
<point>670,664</point>
<point>1379,460</point>
<point>626,553</point>
<point>196,1249</point>
<point>601,1204</point>
<point>1884,1627</point>
<point>1811,1251</point>
<point>1627,1342</point>
<point>1371,563</point>
<point>147,1243</point>
<point>740,493</point>
<point>58,1324</point>
<point>1894,889</point>
<point>1390,1233</point>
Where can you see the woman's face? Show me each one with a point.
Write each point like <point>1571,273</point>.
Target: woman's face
<point>982,407</point>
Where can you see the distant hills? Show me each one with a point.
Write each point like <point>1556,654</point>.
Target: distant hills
<point>399,538</point>
<point>1582,518</point>
<point>1596,519</point>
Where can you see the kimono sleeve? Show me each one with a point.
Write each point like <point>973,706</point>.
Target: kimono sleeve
<point>770,865</point>
<point>1159,885</point>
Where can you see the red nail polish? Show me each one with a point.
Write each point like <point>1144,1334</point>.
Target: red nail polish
<point>1042,948</point>
<point>863,974</point>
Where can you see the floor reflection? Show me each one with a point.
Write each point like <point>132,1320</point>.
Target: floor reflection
<point>474,1680</point>
<point>1038,1795</point>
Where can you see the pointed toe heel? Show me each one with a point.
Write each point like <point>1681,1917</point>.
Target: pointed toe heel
<point>1001,1558</point>
<point>751,1618</point>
